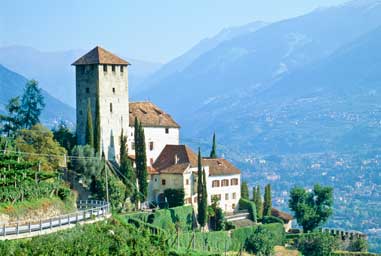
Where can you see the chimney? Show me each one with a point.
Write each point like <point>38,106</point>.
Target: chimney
<point>176,159</point>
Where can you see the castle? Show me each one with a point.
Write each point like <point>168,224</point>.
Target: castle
<point>102,82</point>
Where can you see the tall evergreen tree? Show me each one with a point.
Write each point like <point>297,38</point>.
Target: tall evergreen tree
<point>141,160</point>
<point>32,104</point>
<point>126,166</point>
<point>89,126</point>
<point>244,190</point>
<point>213,153</point>
<point>267,204</point>
<point>254,194</point>
<point>201,194</point>
<point>204,204</point>
<point>258,202</point>
<point>12,122</point>
<point>97,131</point>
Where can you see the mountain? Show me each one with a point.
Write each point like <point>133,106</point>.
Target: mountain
<point>180,63</point>
<point>54,72</point>
<point>255,60</point>
<point>12,85</point>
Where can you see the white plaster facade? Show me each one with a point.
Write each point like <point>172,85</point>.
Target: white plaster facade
<point>156,139</point>
<point>229,194</point>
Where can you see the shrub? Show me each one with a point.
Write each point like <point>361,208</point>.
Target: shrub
<point>260,242</point>
<point>272,219</point>
<point>175,197</point>
<point>358,245</point>
<point>249,206</point>
<point>317,244</point>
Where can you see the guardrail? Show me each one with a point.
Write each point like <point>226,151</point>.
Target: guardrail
<point>88,210</point>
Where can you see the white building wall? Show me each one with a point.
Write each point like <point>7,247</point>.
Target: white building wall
<point>160,139</point>
<point>230,194</point>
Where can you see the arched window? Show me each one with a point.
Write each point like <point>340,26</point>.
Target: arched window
<point>110,107</point>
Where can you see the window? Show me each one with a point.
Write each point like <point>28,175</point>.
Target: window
<point>80,112</point>
<point>187,182</point>
<point>233,206</point>
<point>224,183</point>
<point>87,90</point>
<point>113,68</point>
<point>113,90</point>
<point>234,195</point>
<point>226,196</point>
<point>155,179</point>
<point>234,182</point>
<point>121,69</point>
<point>133,145</point>
<point>151,160</point>
<point>166,130</point>
<point>104,68</point>
<point>163,182</point>
<point>151,145</point>
<point>195,199</point>
<point>215,183</point>
<point>81,69</point>
<point>110,107</point>
<point>188,200</point>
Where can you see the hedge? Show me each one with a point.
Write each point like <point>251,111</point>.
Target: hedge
<point>143,216</point>
<point>248,205</point>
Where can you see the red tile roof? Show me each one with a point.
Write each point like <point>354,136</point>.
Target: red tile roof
<point>220,166</point>
<point>99,55</point>
<point>281,215</point>
<point>175,159</point>
<point>150,115</point>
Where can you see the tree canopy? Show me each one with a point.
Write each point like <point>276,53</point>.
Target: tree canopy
<point>311,209</point>
<point>32,104</point>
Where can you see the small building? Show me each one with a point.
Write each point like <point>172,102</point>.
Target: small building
<point>177,167</point>
<point>159,129</point>
<point>287,218</point>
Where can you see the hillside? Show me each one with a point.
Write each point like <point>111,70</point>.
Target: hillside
<point>54,71</point>
<point>12,85</point>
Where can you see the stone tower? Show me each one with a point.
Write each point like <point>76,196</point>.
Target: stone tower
<point>100,74</point>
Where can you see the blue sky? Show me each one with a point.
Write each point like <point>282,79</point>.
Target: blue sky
<point>148,30</point>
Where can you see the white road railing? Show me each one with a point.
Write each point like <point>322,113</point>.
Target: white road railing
<point>87,210</point>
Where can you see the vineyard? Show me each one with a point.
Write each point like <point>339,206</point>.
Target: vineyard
<point>22,180</point>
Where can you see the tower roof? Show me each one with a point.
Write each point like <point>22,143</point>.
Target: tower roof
<point>98,55</point>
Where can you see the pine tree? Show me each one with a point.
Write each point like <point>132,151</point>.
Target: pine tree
<point>97,132</point>
<point>244,190</point>
<point>267,205</point>
<point>258,202</point>
<point>213,153</point>
<point>32,104</point>
<point>89,126</point>
<point>126,166</point>
<point>141,160</point>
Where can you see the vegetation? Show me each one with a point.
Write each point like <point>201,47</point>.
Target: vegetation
<point>175,197</point>
<point>213,152</point>
<point>89,126</point>
<point>272,219</point>
<point>85,163</point>
<point>126,168</point>
<point>260,242</point>
<point>12,122</point>
<point>311,209</point>
<point>244,190</point>
<point>38,145</point>
<point>317,244</point>
<point>64,136</point>
<point>267,204</point>
<point>141,160</point>
<point>245,204</point>
<point>216,216</point>
<point>202,199</point>
<point>257,198</point>
<point>111,237</point>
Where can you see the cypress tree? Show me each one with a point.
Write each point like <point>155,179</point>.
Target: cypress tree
<point>141,159</point>
<point>201,216</point>
<point>204,204</point>
<point>213,153</point>
<point>258,202</point>
<point>89,126</point>
<point>97,132</point>
<point>254,194</point>
<point>267,204</point>
<point>244,190</point>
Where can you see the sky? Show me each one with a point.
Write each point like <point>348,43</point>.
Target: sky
<point>156,31</point>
